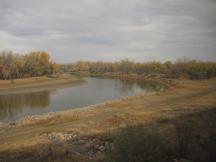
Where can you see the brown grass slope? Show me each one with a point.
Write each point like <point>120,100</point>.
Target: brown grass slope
<point>185,97</point>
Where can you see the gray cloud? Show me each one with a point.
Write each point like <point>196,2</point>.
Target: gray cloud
<point>142,30</point>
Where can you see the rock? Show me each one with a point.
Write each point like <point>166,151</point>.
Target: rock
<point>102,148</point>
<point>68,137</point>
<point>60,137</point>
<point>57,137</point>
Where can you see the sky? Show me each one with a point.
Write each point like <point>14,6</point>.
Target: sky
<point>110,30</point>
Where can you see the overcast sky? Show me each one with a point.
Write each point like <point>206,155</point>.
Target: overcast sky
<point>142,30</point>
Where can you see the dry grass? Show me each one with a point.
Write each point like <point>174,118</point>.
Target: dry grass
<point>184,98</point>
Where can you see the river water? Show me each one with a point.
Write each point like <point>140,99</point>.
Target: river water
<point>96,90</point>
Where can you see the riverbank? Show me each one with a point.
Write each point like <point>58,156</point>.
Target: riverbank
<point>72,130</point>
<point>37,83</point>
<point>158,78</point>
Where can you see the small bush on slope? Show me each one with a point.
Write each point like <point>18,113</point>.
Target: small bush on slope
<point>135,144</point>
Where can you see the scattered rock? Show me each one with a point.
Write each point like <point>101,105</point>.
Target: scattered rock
<point>77,145</point>
<point>60,137</point>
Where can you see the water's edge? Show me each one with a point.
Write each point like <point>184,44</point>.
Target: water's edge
<point>32,119</point>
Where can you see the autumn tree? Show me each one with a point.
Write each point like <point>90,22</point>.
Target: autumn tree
<point>181,68</point>
<point>35,63</point>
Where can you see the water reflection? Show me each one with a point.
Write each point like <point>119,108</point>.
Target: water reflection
<point>14,103</point>
<point>126,86</point>
<point>96,90</point>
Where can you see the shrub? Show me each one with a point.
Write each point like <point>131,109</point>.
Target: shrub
<point>135,144</point>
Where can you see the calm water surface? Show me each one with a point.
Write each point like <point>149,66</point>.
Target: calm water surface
<point>96,90</point>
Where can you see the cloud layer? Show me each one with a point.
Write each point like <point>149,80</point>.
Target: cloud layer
<point>142,30</point>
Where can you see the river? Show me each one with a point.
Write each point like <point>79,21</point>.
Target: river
<point>96,90</point>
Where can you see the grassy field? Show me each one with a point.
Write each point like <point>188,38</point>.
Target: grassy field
<point>33,138</point>
<point>37,83</point>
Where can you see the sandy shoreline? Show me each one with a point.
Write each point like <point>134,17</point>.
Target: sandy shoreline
<point>39,85</point>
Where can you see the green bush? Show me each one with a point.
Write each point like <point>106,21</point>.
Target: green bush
<point>135,144</point>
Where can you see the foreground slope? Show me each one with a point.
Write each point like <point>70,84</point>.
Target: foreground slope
<point>26,137</point>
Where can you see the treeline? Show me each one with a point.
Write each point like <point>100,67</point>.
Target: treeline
<point>182,68</point>
<point>33,64</point>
